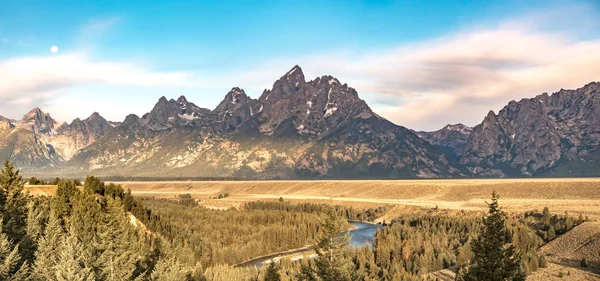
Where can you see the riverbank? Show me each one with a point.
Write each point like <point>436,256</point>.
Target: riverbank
<point>362,233</point>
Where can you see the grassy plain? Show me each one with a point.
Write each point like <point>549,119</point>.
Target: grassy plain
<point>560,195</point>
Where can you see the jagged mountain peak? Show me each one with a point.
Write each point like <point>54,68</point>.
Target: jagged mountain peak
<point>37,121</point>
<point>293,77</point>
<point>182,99</point>
<point>236,95</point>
<point>131,119</point>
<point>296,70</point>
<point>95,117</point>
<point>36,113</point>
<point>461,128</point>
<point>491,114</point>
<point>236,108</point>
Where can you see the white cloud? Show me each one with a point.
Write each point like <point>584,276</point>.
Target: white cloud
<point>32,81</point>
<point>89,33</point>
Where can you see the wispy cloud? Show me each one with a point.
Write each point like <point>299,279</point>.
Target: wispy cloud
<point>91,32</point>
<point>30,80</point>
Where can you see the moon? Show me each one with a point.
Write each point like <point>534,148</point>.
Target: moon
<point>54,49</point>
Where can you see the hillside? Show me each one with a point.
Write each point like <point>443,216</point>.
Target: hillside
<point>581,242</point>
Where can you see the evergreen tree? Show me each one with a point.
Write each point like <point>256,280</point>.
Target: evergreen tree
<point>551,233</point>
<point>13,203</point>
<point>117,243</point>
<point>272,272</point>
<point>49,249</point>
<point>11,267</point>
<point>494,258</point>
<point>169,269</point>
<point>543,262</point>
<point>306,273</point>
<point>331,265</point>
<point>70,266</point>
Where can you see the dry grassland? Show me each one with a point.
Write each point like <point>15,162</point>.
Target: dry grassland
<point>560,195</point>
<point>581,242</point>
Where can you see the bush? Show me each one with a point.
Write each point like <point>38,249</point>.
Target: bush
<point>584,263</point>
<point>543,262</point>
<point>185,196</point>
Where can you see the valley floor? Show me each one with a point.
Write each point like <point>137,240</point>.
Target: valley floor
<point>576,196</point>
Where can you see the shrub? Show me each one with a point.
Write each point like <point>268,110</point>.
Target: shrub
<point>584,263</point>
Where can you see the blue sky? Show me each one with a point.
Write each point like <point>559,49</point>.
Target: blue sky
<point>119,57</point>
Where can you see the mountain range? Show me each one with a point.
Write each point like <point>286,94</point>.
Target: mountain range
<point>311,129</point>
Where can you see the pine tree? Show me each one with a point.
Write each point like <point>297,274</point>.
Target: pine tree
<point>169,269</point>
<point>70,266</point>
<point>117,242</point>
<point>11,267</point>
<point>13,203</point>
<point>551,233</point>
<point>331,263</point>
<point>494,258</point>
<point>49,249</point>
<point>272,272</point>
<point>306,273</point>
<point>37,217</point>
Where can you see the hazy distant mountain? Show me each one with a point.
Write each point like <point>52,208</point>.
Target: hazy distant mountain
<point>70,138</point>
<point>311,129</point>
<point>451,137</point>
<point>23,141</point>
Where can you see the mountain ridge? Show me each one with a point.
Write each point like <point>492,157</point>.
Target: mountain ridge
<point>309,129</point>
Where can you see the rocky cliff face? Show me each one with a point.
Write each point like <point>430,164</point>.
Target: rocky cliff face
<point>70,138</point>
<point>544,135</point>
<point>38,122</point>
<point>37,141</point>
<point>235,109</point>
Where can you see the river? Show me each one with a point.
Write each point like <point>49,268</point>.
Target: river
<point>362,234</point>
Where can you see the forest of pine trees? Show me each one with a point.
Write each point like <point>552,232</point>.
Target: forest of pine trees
<point>100,232</point>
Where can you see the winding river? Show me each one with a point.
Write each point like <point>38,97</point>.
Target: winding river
<point>362,234</point>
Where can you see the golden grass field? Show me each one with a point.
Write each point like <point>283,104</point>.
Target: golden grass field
<point>560,195</point>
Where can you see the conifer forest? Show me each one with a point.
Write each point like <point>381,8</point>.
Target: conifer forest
<point>92,230</point>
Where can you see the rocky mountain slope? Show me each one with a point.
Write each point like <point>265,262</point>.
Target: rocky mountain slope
<point>298,129</point>
<point>37,141</point>
<point>452,137</point>
<point>311,129</point>
<point>548,135</point>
